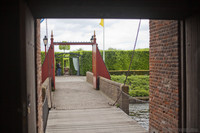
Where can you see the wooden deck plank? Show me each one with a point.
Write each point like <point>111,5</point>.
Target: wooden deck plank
<point>98,117</point>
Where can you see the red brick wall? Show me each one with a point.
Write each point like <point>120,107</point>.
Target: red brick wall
<point>39,79</point>
<point>164,76</point>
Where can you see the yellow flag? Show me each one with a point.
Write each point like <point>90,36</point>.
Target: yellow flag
<point>102,22</point>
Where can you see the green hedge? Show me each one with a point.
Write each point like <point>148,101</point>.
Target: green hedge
<point>138,84</point>
<point>120,60</point>
<point>57,61</point>
<point>115,60</point>
<point>71,67</point>
<point>42,56</point>
<point>86,62</point>
<point>131,72</point>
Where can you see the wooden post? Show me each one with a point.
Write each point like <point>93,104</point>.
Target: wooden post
<point>124,105</point>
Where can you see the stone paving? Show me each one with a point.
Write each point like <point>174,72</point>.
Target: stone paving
<point>78,108</point>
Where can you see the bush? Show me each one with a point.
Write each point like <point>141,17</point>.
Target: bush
<point>120,59</point>
<point>131,72</point>
<point>138,84</point>
<point>71,67</point>
<point>85,62</point>
<point>139,93</point>
<point>115,60</point>
<point>42,56</point>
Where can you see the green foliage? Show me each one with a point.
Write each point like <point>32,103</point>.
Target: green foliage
<point>115,60</point>
<point>66,62</point>
<point>42,56</point>
<point>139,93</point>
<point>57,60</point>
<point>71,67</point>
<point>86,62</point>
<point>80,49</point>
<point>112,49</point>
<point>131,72</point>
<point>64,47</point>
<point>138,84</point>
<point>120,60</point>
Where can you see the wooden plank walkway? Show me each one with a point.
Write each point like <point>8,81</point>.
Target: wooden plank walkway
<point>81,109</point>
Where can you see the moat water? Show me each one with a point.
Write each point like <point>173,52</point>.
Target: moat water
<point>140,113</point>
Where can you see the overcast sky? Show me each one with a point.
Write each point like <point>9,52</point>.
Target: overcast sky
<point>119,33</point>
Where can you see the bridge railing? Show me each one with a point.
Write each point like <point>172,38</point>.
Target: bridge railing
<point>98,66</point>
<point>48,67</point>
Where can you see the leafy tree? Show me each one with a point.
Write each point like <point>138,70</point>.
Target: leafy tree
<point>80,49</point>
<point>112,49</point>
<point>64,47</point>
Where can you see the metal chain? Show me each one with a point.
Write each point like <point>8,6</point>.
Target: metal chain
<point>121,91</point>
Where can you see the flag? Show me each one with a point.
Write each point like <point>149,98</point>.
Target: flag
<point>41,20</point>
<point>102,22</point>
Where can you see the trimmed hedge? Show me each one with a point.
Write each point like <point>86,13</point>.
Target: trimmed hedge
<point>114,60</point>
<point>71,67</point>
<point>138,84</point>
<point>42,56</point>
<point>117,60</point>
<point>131,72</point>
<point>86,62</point>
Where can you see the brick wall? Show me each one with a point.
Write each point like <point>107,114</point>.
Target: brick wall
<point>164,76</point>
<point>112,90</point>
<point>39,79</point>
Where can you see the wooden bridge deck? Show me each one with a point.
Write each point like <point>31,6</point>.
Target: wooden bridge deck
<point>80,109</point>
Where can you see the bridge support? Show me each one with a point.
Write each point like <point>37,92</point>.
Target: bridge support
<point>98,65</point>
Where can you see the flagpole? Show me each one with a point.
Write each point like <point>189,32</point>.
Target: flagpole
<point>104,41</point>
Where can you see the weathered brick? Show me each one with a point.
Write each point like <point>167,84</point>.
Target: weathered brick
<point>39,79</point>
<point>164,76</point>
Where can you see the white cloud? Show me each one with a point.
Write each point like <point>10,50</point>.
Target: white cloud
<point>119,33</point>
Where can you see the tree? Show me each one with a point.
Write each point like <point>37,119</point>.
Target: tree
<point>112,49</point>
<point>64,47</point>
<point>80,49</point>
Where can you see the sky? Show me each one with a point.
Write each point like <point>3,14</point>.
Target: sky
<point>119,33</point>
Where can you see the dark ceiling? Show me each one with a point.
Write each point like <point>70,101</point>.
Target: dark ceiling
<point>146,9</point>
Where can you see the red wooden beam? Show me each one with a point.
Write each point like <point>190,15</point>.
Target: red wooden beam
<point>73,43</point>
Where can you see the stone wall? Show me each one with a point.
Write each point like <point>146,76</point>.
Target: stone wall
<point>89,77</point>
<point>113,90</point>
<point>164,76</point>
<point>39,79</point>
<point>47,89</point>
